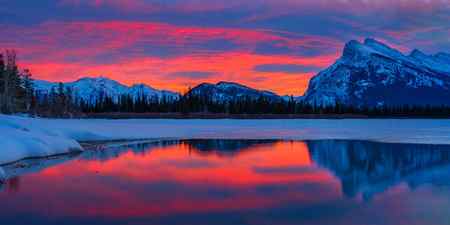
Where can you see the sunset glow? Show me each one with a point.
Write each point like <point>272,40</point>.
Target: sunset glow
<point>273,45</point>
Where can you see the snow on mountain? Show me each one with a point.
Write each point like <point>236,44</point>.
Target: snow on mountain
<point>374,74</point>
<point>444,57</point>
<point>439,62</point>
<point>227,91</point>
<point>144,90</point>
<point>90,89</point>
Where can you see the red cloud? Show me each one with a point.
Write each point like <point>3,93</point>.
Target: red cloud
<point>227,66</point>
<point>66,51</point>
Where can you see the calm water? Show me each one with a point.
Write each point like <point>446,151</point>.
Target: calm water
<point>234,182</point>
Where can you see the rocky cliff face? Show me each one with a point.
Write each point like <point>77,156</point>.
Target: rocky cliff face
<point>374,74</point>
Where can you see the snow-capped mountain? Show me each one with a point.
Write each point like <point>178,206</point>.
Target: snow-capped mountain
<point>228,91</point>
<point>438,62</point>
<point>374,74</point>
<point>90,89</point>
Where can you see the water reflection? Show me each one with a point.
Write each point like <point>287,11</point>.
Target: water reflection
<point>109,151</point>
<point>217,147</point>
<point>370,168</point>
<point>15,170</point>
<point>233,182</point>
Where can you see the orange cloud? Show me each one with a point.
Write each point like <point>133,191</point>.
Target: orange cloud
<point>128,52</point>
<point>237,67</point>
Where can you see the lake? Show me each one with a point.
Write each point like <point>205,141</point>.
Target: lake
<point>233,182</point>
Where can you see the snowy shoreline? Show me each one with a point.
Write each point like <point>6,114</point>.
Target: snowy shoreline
<point>22,137</point>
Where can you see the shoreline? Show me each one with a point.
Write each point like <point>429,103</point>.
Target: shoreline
<point>23,137</point>
<point>248,116</point>
<point>100,145</point>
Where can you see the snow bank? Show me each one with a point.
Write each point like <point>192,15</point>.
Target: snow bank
<point>23,137</point>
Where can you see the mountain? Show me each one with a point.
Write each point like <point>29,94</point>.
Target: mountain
<point>228,91</point>
<point>374,74</point>
<point>90,89</point>
<point>438,62</point>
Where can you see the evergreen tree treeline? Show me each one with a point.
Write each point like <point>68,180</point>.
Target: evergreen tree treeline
<point>189,103</point>
<point>17,95</point>
<point>16,88</point>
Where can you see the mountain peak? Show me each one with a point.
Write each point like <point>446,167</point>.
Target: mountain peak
<point>368,46</point>
<point>225,84</point>
<point>383,48</point>
<point>225,91</point>
<point>355,50</point>
<point>93,78</point>
<point>142,86</point>
<point>90,88</point>
<point>373,74</point>
<point>416,53</point>
<point>439,62</point>
<point>375,44</point>
<point>443,56</point>
<point>357,53</point>
<point>100,79</point>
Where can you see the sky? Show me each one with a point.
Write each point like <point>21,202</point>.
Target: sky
<point>277,45</point>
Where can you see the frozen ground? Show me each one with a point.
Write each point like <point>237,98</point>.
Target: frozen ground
<point>22,137</point>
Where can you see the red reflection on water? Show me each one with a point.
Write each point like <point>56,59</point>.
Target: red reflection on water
<point>177,179</point>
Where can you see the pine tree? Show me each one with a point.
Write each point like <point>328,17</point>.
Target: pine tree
<point>12,84</point>
<point>27,84</point>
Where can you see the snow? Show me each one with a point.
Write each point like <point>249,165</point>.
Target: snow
<point>371,65</point>
<point>385,50</point>
<point>28,137</point>
<point>439,62</point>
<point>89,89</point>
<point>227,91</point>
<point>24,137</point>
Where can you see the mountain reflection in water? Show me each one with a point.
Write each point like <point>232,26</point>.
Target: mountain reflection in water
<point>233,182</point>
<point>370,167</point>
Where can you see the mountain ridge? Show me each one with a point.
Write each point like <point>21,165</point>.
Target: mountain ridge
<point>368,74</point>
<point>372,74</point>
<point>225,91</point>
<point>91,88</point>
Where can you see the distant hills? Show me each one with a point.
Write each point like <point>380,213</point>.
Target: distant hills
<point>223,92</point>
<point>90,89</point>
<point>368,74</point>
